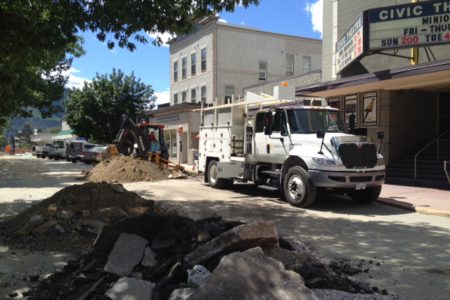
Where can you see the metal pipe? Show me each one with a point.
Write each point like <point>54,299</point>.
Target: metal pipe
<point>446,172</point>
<point>426,147</point>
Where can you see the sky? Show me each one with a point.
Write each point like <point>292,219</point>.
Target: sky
<point>151,63</point>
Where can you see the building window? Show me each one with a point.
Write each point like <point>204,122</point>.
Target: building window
<point>203,94</point>
<point>203,56</point>
<point>289,64</point>
<point>183,96</point>
<point>175,98</point>
<point>262,70</point>
<point>229,93</point>
<point>193,95</point>
<point>183,68</point>
<point>193,64</point>
<point>306,64</point>
<point>175,71</point>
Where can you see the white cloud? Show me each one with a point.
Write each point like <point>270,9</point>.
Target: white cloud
<point>315,11</point>
<point>165,37</point>
<point>75,81</point>
<point>162,97</point>
<point>223,21</point>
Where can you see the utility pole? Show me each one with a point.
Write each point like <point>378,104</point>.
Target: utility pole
<point>415,50</point>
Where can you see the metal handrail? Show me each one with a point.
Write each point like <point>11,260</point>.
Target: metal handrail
<point>446,172</point>
<point>426,147</point>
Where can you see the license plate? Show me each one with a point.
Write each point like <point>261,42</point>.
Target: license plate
<point>361,186</point>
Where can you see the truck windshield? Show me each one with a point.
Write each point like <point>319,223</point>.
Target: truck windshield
<point>310,121</point>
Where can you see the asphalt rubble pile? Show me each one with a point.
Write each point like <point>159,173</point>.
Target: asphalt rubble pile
<point>71,219</point>
<point>154,256</point>
<point>120,169</point>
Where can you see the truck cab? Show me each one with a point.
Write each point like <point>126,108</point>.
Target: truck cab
<point>286,145</point>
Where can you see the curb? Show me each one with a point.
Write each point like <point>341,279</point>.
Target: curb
<point>411,207</point>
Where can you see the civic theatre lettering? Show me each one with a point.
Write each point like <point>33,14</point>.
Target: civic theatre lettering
<point>418,24</point>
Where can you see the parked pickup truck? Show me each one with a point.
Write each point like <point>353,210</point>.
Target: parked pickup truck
<point>57,150</point>
<point>75,150</point>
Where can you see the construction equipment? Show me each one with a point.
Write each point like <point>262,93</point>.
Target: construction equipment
<point>145,140</point>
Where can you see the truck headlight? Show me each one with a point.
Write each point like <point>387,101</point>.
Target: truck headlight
<point>324,161</point>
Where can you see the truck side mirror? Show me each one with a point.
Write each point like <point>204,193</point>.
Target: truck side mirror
<point>268,122</point>
<point>320,134</point>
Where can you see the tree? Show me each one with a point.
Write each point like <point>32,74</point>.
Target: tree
<point>95,111</point>
<point>39,39</point>
<point>27,132</point>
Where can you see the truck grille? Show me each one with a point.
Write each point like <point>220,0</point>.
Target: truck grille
<point>353,156</point>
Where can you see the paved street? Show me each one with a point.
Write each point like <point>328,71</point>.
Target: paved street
<point>412,249</point>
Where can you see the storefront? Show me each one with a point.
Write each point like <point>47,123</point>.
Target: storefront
<point>182,122</point>
<point>411,105</point>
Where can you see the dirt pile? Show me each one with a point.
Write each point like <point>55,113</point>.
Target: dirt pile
<point>127,169</point>
<point>71,219</point>
<point>173,257</point>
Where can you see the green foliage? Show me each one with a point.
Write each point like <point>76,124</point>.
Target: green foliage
<point>26,132</point>
<point>95,111</point>
<point>39,38</point>
<point>54,130</point>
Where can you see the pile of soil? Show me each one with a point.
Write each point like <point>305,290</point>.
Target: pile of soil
<point>71,219</point>
<point>126,169</point>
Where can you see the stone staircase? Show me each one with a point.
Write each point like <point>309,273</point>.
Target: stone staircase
<point>430,170</point>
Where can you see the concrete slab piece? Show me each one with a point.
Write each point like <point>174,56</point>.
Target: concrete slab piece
<point>252,275</point>
<point>126,254</point>
<point>131,289</point>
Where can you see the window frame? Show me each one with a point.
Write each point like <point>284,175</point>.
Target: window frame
<point>228,98</point>
<point>203,97</point>
<point>175,71</point>
<point>193,95</point>
<point>203,59</point>
<point>183,96</point>
<point>193,64</point>
<point>307,58</point>
<point>290,64</point>
<point>184,68</point>
<point>262,70</point>
<point>175,98</point>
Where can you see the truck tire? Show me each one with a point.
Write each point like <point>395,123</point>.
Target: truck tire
<point>370,194</point>
<point>215,182</point>
<point>298,190</point>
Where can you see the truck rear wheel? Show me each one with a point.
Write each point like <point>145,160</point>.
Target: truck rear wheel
<point>215,182</point>
<point>298,189</point>
<point>370,194</point>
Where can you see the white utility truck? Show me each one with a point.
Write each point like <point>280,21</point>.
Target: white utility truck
<point>299,147</point>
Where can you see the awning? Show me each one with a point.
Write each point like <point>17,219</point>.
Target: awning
<point>431,76</point>
<point>64,135</point>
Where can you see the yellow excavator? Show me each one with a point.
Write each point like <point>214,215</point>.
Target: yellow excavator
<point>144,140</point>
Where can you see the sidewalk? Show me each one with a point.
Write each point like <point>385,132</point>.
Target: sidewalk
<point>422,200</point>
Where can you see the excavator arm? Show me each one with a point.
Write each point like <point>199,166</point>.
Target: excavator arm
<point>129,135</point>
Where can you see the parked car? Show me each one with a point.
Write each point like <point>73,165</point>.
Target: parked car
<point>57,150</point>
<point>75,150</point>
<point>94,154</point>
<point>45,150</point>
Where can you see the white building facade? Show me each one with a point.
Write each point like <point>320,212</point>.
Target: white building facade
<point>218,60</point>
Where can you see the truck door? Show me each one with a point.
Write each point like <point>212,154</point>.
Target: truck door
<point>278,141</point>
<point>261,149</point>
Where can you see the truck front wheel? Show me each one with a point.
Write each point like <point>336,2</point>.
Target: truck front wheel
<point>298,189</point>
<point>365,196</point>
<point>212,177</point>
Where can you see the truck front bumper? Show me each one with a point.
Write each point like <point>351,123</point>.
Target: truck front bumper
<point>347,179</point>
